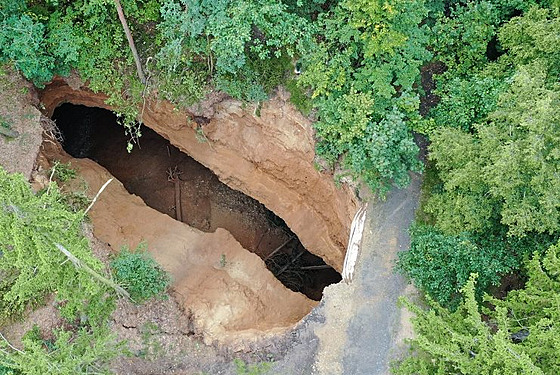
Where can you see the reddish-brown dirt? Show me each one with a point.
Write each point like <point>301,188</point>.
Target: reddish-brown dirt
<point>268,157</point>
<point>230,294</point>
<point>233,300</point>
<point>205,203</point>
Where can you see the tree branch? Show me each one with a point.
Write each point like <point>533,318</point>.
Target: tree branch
<point>10,345</point>
<point>97,195</point>
<point>78,264</point>
<point>130,42</point>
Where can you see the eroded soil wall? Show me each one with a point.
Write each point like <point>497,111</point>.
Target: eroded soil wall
<point>226,290</point>
<point>173,183</point>
<point>268,157</point>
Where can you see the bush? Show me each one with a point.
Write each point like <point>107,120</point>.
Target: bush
<point>518,335</point>
<point>83,351</point>
<point>440,264</point>
<point>140,274</point>
<point>242,368</point>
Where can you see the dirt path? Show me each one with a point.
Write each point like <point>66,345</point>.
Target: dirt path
<point>358,328</point>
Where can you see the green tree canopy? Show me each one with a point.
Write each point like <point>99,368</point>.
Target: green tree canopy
<point>362,74</point>
<point>509,168</point>
<point>519,335</point>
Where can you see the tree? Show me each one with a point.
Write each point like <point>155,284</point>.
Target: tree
<point>509,168</point>
<point>440,265</point>
<point>518,335</point>
<point>240,45</point>
<point>362,74</point>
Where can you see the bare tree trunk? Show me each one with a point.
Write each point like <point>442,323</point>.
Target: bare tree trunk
<point>78,264</point>
<point>130,41</point>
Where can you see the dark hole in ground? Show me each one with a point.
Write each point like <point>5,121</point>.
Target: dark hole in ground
<point>206,203</point>
<point>429,99</point>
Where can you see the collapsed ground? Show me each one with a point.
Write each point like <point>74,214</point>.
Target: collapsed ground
<point>161,331</point>
<point>494,134</point>
<point>164,177</point>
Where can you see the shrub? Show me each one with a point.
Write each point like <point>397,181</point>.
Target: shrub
<point>140,274</point>
<point>519,335</point>
<point>63,172</point>
<point>440,264</point>
<point>242,368</point>
<point>86,351</point>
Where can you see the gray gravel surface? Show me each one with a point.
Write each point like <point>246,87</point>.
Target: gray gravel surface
<point>358,328</point>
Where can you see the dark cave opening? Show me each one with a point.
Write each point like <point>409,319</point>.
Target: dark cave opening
<point>159,172</point>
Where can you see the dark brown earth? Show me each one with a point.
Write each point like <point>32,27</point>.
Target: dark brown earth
<point>429,99</point>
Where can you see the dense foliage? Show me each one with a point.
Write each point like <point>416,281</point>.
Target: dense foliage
<point>360,63</point>
<point>86,351</point>
<point>30,263</point>
<point>441,264</point>
<point>360,60</point>
<point>509,168</point>
<point>495,149</point>
<point>241,44</point>
<point>139,274</point>
<point>518,335</point>
<point>31,266</point>
<point>506,168</point>
<point>362,73</point>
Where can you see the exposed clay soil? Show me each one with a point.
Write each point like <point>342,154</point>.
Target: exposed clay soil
<point>161,334</point>
<point>267,155</point>
<point>162,175</point>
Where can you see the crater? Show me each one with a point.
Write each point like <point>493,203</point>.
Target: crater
<point>175,184</point>
<point>231,203</point>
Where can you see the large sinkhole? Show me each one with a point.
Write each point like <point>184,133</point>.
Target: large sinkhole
<point>175,184</point>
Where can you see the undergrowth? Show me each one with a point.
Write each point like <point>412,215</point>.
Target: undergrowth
<point>140,274</point>
<point>33,229</point>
